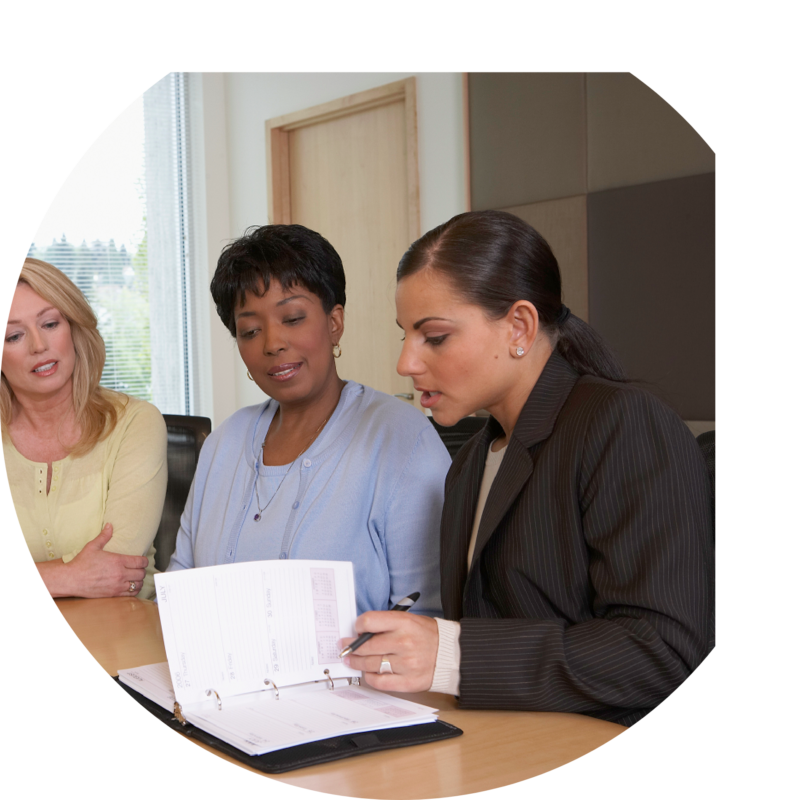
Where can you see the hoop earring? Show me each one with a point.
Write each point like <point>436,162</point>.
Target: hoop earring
<point>250,376</point>
<point>337,351</point>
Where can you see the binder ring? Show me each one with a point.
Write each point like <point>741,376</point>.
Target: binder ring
<point>330,680</point>
<point>268,682</point>
<point>178,713</point>
<point>209,692</point>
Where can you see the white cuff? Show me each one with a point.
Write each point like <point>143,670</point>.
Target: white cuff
<point>446,674</point>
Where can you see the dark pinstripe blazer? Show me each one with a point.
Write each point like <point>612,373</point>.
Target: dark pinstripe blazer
<point>592,584</point>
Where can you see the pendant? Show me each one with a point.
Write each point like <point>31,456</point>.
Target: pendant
<point>257,517</point>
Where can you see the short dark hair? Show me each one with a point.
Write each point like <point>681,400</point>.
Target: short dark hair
<point>493,258</point>
<point>292,254</point>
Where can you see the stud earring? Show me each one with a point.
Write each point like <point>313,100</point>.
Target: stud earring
<point>337,351</point>
<point>520,351</point>
<point>250,376</point>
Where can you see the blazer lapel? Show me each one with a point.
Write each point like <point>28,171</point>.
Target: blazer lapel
<point>515,469</point>
<point>535,424</point>
<point>457,518</point>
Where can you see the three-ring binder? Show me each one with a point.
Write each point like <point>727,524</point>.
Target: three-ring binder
<point>304,754</point>
<point>269,683</point>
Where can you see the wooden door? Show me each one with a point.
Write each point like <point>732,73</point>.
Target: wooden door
<point>348,169</point>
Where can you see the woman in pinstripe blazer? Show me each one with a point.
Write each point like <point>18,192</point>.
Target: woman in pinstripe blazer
<point>576,540</point>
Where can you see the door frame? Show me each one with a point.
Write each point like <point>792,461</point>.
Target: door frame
<point>279,199</point>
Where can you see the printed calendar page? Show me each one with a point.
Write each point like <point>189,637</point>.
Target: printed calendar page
<point>236,628</point>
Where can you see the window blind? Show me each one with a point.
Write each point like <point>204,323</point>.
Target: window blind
<point>140,288</point>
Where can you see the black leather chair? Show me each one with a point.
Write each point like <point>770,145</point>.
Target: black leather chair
<point>456,436</point>
<point>707,443</point>
<point>185,437</point>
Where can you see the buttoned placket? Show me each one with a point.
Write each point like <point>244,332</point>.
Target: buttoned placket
<point>40,487</point>
<point>291,524</point>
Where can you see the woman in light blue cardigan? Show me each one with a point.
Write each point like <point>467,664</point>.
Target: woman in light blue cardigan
<point>326,468</point>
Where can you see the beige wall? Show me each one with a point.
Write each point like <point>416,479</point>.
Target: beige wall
<point>236,105</point>
<point>540,145</point>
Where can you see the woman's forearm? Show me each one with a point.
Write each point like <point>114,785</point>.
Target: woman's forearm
<point>94,572</point>
<point>57,577</point>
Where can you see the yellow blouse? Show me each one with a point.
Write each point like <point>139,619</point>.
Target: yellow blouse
<point>123,480</point>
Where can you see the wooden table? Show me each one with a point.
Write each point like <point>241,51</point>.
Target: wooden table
<point>498,747</point>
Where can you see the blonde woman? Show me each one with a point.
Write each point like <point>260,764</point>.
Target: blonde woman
<point>86,466</point>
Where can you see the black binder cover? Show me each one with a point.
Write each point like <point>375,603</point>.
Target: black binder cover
<point>309,753</point>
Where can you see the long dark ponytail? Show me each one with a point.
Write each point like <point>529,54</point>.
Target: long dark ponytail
<point>494,259</point>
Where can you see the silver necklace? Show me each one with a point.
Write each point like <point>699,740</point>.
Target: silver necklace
<point>261,510</point>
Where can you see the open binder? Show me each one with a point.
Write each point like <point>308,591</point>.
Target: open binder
<point>253,669</point>
<point>310,753</point>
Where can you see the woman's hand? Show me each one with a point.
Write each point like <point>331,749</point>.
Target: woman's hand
<point>94,572</point>
<point>407,641</point>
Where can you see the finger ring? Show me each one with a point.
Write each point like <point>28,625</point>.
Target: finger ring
<point>133,587</point>
<point>385,666</point>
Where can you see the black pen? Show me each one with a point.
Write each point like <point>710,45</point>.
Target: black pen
<point>403,605</point>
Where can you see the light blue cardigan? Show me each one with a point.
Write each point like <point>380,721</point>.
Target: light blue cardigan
<point>369,490</point>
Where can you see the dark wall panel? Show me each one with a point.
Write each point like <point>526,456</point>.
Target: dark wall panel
<point>651,285</point>
<point>527,135</point>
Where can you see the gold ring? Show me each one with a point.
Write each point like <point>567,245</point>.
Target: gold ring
<point>133,587</point>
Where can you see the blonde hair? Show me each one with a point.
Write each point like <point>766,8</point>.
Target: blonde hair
<point>97,409</point>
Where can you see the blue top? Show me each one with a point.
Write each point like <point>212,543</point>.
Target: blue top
<point>368,490</point>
